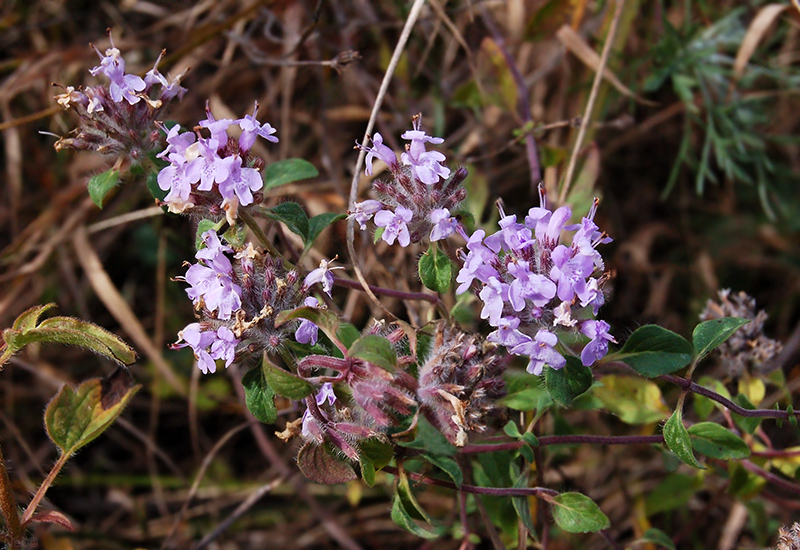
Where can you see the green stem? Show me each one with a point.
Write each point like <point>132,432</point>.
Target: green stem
<point>8,504</point>
<point>48,481</point>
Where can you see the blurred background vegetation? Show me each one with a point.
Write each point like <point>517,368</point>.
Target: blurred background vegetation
<point>692,145</point>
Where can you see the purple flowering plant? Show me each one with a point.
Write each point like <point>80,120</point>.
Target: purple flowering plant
<point>396,391</point>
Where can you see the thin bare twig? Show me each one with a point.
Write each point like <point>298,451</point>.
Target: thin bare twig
<point>587,115</point>
<point>416,8</point>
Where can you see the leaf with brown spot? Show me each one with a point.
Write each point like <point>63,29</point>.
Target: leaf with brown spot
<point>76,416</point>
<point>319,466</point>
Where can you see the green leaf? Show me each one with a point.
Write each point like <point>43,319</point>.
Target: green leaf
<point>715,441</point>
<point>379,452</point>
<point>569,382</point>
<point>678,441</point>
<point>318,223</point>
<point>286,171</point>
<point>285,383</point>
<point>448,466</point>
<point>577,513</point>
<point>76,416</point>
<point>66,330</point>
<point>367,470</point>
<point>522,505</point>
<point>376,350</point>
<point>258,396</point>
<point>652,351</point>
<point>530,439</point>
<point>293,215</point>
<point>236,235</point>
<point>402,518</point>
<point>710,334</point>
<point>28,318</point>
<point>635,400</point>
<point>512,430</point>
<point>326,320</point>
<point>203,226</point>
<point>101,184</point>
<point>318,465</point>
<point>409,501</point>
<point>435,269</point>
<point>430,440</point>
<point>659,537</point>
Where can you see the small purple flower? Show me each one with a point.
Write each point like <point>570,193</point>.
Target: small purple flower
<point>251,129</point>
<point>512,235</point>
<point>570,271</point>
<point>168,89</point>
<point>394,224</point>
<point>541,351</point>
<point>123,86</point>
<point>326,393</point>
<point>528,286</point>
<point>199,340</point>
<point>225,298</point>
<point>308,332</point>
<point>218,128</point>
<point>477,263</point>
<point>425,165</point>
<point>598,346</point>
<point>241,182</point>
<point>507,334</point>
<point>213,168</point>
<point>321,275</point>
<point>494,296</point>
<point>224,347</point>
<point>362,211</point>
<point>380,151</point>
<point>444,224</point>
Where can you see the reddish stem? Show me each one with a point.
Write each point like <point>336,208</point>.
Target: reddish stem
<point>493,491</point>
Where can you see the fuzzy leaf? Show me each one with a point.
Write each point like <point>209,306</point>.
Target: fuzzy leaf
<point>76,416</point>
<point>319,466</point>
<point>52,516</point>
<point>710,334</point>
<point>286,171</point>
<point>715,441</point>
<point>285,383</point>
<point>569,382</point>
<point>66,330</point>
<point>435,269</point>
<point>577,513</point>
<point>28,318</point>
<point>652,351</point>
<point>380,452</point>
<point>101,184</point>
<point>678,440</point>
<point>258,396</point>
<point>376,350</point>
<point>293,215</point>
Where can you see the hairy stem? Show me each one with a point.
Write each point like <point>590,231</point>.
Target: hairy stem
<point>8,504</point>
<point>546,440</point>
<point>48,481</point>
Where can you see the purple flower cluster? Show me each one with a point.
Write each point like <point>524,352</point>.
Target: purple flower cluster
<point>420,201</point>
<point>533,286</point>
<point>117,118</point>
<point>237,293</point>
<point>204,169</point>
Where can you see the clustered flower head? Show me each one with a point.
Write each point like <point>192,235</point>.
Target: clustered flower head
<point>423,196</point>
<point>534,287</point>
<point>748,349</point>
<point>213,174</point>
<point>460,383</point>
<point>456,388</point>
<point>117,117</point>
<point>237,294</point>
